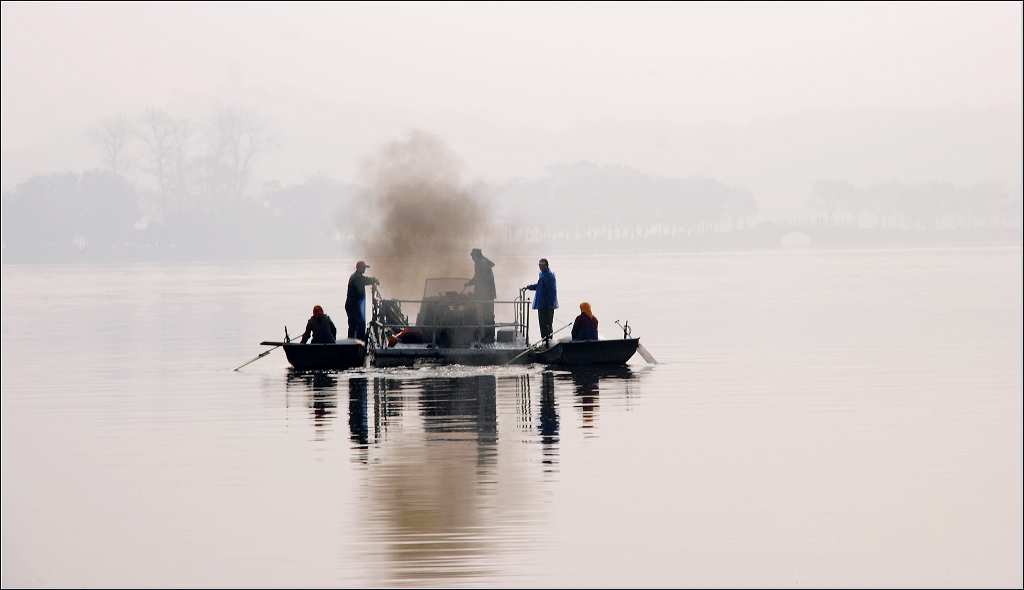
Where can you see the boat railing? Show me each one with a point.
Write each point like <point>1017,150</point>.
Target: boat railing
<point>381,327</point>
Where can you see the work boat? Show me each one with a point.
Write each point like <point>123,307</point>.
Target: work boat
<point>450,326</point>
<point>453,327</point>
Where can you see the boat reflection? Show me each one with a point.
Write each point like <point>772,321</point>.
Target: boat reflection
<point>431,489</point>
<point>586,384</point>
<point>435,485</point>
<point>322,399</point>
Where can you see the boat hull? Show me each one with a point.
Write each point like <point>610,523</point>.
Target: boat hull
<point>478,356</point>
<point>337,357</point>
<point>588,352</point>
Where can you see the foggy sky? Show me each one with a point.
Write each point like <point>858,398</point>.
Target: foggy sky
<point>771,96</point>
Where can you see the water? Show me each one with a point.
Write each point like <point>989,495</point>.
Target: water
<point>818,418</point>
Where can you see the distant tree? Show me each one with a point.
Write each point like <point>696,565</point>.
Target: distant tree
<point>235,138</point>
<point>834,198</point>
<point>111,136</point>
<point>166,140</point>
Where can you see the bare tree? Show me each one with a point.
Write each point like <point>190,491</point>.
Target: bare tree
<point>111,136</point>
<point>166,141</point>
<point>236,139</point>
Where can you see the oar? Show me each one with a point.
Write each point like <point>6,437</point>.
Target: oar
<point>542,341</point>
<point>646,354</point>
<point>266,352</point>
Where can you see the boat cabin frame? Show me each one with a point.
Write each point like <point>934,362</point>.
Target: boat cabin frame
<point>448,326</point>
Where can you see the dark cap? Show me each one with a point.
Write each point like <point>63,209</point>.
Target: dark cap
<point>362,264</point>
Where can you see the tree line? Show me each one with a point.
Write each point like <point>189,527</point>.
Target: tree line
<point>177,187</point>
<point>914,206</point>
<point>170,186</point>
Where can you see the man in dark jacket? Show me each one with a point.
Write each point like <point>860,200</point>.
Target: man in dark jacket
<point>321,327</point>
<point>546,301</point>
<point>484,292</point>
<point>355,301</point>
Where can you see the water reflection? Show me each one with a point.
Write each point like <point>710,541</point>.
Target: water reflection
<point>431,509</point>
<point>459,406</point>
<point>358,423</point>
<point>587,389</point>
<point>548,427</point>
<point>322,400</point>
<point>436,506</point>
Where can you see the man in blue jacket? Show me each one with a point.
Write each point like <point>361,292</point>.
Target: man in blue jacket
<point>546,301</point>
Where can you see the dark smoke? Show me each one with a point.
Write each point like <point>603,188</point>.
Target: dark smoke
<point>417,217</point>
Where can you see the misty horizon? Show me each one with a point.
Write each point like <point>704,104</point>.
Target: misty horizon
<point>241,130</point>
<point>781,95</point>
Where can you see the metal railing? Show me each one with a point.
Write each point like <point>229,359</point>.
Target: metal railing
<point>380,327</point>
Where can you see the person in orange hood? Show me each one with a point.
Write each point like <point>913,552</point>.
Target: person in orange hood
<point>585,326</point>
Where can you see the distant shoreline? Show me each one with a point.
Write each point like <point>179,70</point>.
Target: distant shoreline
<point>1010,240</point>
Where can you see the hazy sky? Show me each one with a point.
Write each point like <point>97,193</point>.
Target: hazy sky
<point>717,89</point>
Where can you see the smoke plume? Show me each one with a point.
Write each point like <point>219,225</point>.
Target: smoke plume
<point>417,217</point>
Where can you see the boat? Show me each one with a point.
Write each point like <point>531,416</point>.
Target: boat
<point>451,327</point>
<point>587,352</point>
<point>346,353</point>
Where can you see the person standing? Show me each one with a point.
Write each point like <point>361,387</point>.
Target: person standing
<point>484,292</point>
<point>320,327</point>
<point>546,301</point>
<point>355,301</point>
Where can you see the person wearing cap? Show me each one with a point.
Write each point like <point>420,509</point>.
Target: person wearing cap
<point>484,292</point>
<point>546,301</point>
<point>355,301</point>
<point>320,327</point>
<point>585,326</point>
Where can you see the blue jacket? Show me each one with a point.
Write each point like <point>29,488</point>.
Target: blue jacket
<point>547,291</point>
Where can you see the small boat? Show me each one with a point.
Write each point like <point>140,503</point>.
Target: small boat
<point>346,353</point>
<point>588,352</point>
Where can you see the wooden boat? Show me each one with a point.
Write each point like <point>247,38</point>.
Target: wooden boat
<point>588,352</point>
<point>344,354</point>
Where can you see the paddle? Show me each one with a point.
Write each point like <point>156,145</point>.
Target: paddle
<point>541,341</point>
<point>268,351</point>
<point>646,354</point>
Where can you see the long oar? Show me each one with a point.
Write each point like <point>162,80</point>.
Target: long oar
<point>541,341</point>
<point>646,354</point>
<point>263,354</point>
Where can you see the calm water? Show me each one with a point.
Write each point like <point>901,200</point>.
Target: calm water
<point>839,418</point>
